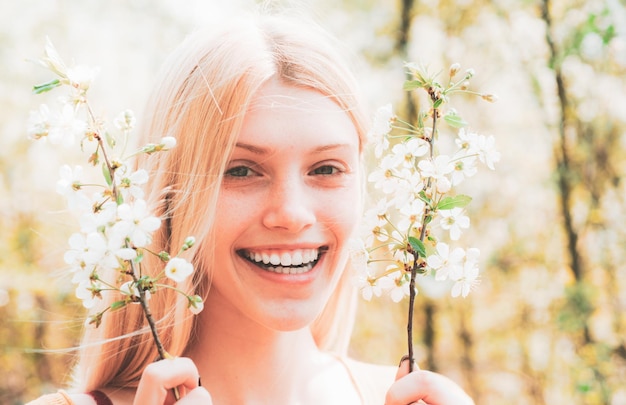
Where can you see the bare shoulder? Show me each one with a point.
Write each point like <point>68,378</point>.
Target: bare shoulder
<point>62,397</point>
<point>82,399</point>
<point>373,380</point>
<point>385,373</point>
<point>117,396</point>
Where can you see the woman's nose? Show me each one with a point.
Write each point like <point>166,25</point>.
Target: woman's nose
<point>289,207</point>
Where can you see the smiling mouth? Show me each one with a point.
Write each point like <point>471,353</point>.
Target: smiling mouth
<point>297,261</point>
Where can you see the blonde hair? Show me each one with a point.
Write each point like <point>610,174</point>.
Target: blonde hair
<point>202,96</point>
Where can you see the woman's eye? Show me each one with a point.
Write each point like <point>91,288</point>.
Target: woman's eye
<point>239,171</point>
<point>326,170</point>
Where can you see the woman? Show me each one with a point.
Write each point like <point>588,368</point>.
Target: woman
<point>267,176</point>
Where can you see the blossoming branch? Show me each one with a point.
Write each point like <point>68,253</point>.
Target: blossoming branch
<point>105,255</point>
<point>413,225</point>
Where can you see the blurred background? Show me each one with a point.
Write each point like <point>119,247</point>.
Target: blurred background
<point>547,323</point>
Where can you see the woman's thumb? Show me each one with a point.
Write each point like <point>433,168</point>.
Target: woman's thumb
<point>403,367</point>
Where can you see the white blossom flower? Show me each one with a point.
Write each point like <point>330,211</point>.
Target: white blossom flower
<point>85,250</point>
<point>384,177</point>
<point>82,76</point>
<point>376,215</point>
<point>125,121</point>
<point>370,286</point>
<point>359,256</point>
<point>116,252</point>
<point>412,214</point>
<point>467,141</point>
<point>135,223</point>
<point>130,184</point>
<point>130,289</point>
<point>438,169</point>
<point>408,187</point>
<point>69,186</point>
<point>444,261</point>
<point>398,286</point>
<point>404,153</point>
<point>178,269</point>
<point>487,152</point>
<point>380,128</point>
<point>401,256</point>
<point>374,221</point>
<point>104,216</point>
<point>466,276</point>
<point>65,127</point>
<point>88,291</point>
<point>454,220</point>
<point>463,168</point>
<point>39,122</point>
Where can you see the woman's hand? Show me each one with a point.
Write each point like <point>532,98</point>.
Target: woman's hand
<point>424,387</point>
<point>160,378</point>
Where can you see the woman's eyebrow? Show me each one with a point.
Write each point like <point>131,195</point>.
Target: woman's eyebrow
<point>333,146</point>
<point>259,150</point>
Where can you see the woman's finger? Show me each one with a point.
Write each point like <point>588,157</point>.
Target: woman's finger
<point>197,396</point>
<point>159,378</point>
<point>403,368</point>
<point>426,386</point>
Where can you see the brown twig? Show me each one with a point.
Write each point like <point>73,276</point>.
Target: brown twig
<point>415,267</point>
<point>135,274</point>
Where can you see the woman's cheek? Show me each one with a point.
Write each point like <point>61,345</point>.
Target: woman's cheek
<point>345,209</point>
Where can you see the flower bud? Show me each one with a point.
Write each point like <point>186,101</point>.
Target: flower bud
<point>469,73</point>
<point>168,142</point>
<point>189,242</point>
<point>492,98</point>
<point>196,305</point>
<point>125,121</point>
<point>454,69</point>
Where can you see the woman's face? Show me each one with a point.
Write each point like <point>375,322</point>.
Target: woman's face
<point>289,202</point>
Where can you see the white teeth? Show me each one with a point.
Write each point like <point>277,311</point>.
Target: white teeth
<point>290,270</point>
<point>274,259</point>
<point>285,259</point>
<point>296,258</point>
<point>286,262</point>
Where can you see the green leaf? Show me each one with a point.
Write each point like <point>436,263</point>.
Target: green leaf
<point>139,258</point>
<point>418,246</point>
<point>110,139</point>
<point>455,121</point>
<point>424,197</point>
<point>118,305</point>
<point>438,103</point>
<point>412,85</point>
<point>94,159</point>
<point>428,219</point>
<point>458,201</point>
<point>42,88</point>
<point>107,174</point>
